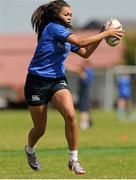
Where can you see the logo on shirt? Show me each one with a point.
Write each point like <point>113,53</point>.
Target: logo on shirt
<point>64,46</point>
<point>35,97</point>
<point>63,83</point>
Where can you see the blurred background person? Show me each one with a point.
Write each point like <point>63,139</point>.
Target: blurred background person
<point>124,86</point>
<point>84,84</point>
<point>85,76</point>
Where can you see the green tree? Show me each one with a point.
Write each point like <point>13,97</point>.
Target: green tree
<point>130,53</point>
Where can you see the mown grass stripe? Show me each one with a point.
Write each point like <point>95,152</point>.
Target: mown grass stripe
<point>93,150</point>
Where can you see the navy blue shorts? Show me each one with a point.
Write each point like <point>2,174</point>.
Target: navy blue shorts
<point>126,97</point>
<point>84,95</point>
<point>39,90</point>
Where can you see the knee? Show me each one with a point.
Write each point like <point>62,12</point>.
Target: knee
<point>71,118</point>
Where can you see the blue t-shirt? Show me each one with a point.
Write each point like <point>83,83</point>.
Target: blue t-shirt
<point>51,51</point>
<point>124,86</point>
<point>89,74</point>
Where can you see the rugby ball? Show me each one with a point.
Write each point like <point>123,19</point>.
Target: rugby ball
<point>113,23</point>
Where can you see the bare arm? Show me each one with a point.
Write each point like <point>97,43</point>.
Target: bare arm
<point>83,42</point>
<point>89,44</point>
<point>87,51</point>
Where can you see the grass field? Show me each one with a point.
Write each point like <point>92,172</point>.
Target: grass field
<point>107,150</point>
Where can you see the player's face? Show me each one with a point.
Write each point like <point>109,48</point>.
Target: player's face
<point>66,14</point>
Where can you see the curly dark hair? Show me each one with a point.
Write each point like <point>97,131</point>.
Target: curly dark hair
<point>47,13</point>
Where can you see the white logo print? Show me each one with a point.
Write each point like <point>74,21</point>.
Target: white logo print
<point>63,83</point>
<point>59,44</point>
<point>35,97</point>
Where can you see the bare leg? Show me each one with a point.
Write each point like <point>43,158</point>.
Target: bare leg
<point>84,120</point>
<point>62,99</point>
<point>121,108</point>
<point>39,117</point>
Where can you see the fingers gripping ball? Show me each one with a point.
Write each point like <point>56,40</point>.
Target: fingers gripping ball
<point>113,23</point>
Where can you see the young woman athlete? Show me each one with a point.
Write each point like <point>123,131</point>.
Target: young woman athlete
<point>46,79</point>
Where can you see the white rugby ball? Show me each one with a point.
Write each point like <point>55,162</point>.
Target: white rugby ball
<point>113,23</point>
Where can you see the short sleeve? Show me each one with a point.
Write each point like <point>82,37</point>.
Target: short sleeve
<point>59,32</point>
<point>74,48</point>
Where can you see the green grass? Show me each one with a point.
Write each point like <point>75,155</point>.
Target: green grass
<point>104,150</point>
